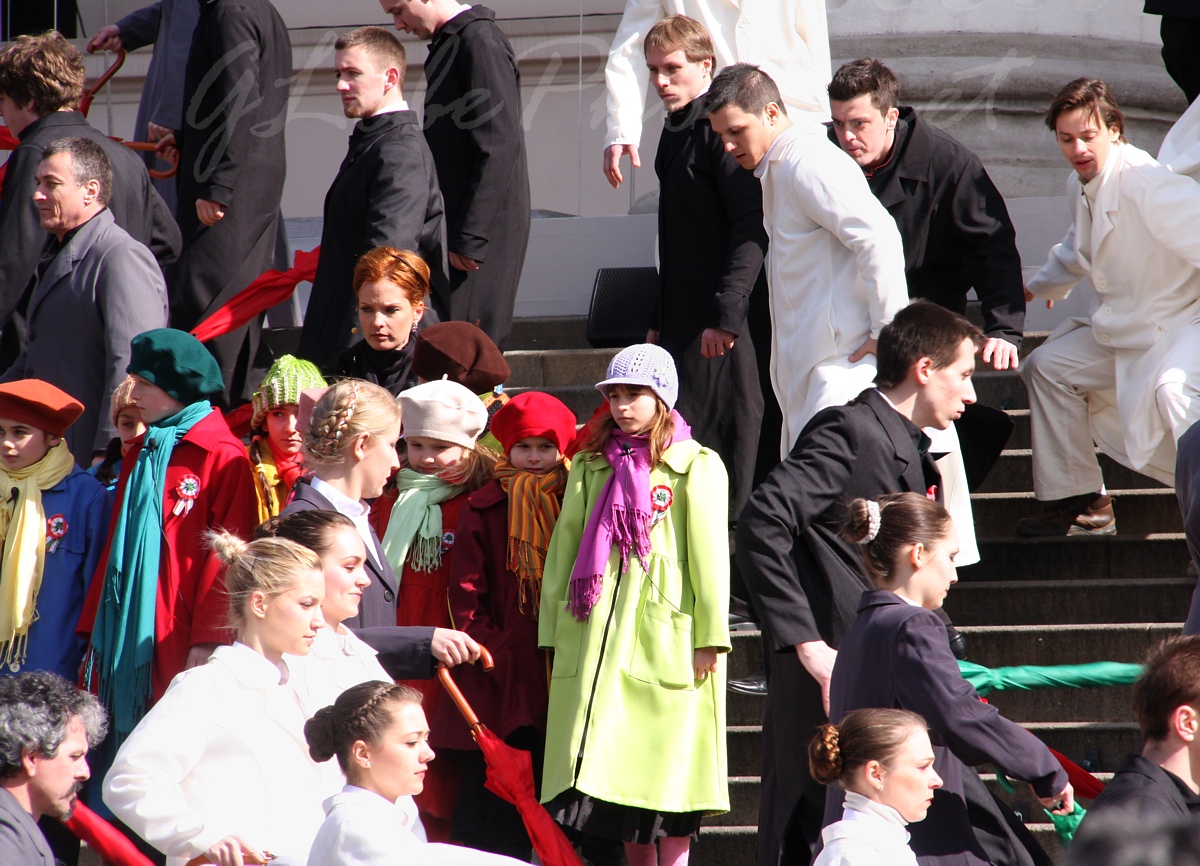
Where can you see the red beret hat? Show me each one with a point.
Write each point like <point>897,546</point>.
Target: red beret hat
<point>532,413</point>
<point>39,404</point>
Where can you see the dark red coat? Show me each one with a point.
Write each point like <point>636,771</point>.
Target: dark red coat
<point>192,606</point>
<point>484,597</point>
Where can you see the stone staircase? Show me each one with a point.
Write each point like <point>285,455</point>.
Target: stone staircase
<point>1030,601</point>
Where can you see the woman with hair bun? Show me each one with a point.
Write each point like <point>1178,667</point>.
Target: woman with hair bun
<point>896,655</point>
<point>219,765</point>
<point>884,761</point>
<point>378,733</point>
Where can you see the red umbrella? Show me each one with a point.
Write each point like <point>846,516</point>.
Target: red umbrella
<point>1085,784</point>
<point>269,289</point>
<point>510,777</point>
<point>8,141</point>
<point>106,840</point>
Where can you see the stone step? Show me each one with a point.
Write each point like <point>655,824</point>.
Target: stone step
<point>550,369</point>
<point>552,332</point>
<point>726,846</point>
<point>1139,512</point>
<point>1013,473</point>
<point>1020,437</point>
<point>1002,389</point>
<point>583,400</point>
<point>997,646</point>
<point>743,803</point>
<point>1052,602</point>
<point>1119,556</point>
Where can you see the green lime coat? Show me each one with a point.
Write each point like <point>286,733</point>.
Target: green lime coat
<point>655,736</point>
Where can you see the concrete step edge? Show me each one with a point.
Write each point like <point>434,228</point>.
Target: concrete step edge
<point>1115,494</point>
<point>1109,583</point>
<point>1076,628</point>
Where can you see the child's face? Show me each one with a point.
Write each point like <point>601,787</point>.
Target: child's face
<point>386,315</point>
<point>633,407</point>
<point>129,427</point>
<point>535,454</point>
<point>152,402</point>
<point>281,429</point>
<point>431,456</point>
<point>22,445</point>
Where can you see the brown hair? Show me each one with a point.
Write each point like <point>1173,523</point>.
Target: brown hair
<point>477,468</point>
<point>404,268</point>
<point>1092,95</point>
<point>920,330</point>
<point>904,519</point>
<point>267,565</point>
<point>384,49</point>
<point>836,752</point>
<point>744,86</point>
<point>45,70</point>
<point>1171,680</point>
<point>866,75</point>
<point>312,529</point>
<point>662,428</point>
<point>680,33</point>
<point>362,712</point>
<point>346,410</point>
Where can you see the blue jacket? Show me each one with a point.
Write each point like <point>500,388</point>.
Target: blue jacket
<point>86,507</point>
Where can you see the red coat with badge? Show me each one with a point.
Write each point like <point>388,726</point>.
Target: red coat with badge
<point>209,485</point>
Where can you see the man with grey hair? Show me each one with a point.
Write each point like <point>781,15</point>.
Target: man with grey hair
<point>46,728</point>
<point>96,288</point>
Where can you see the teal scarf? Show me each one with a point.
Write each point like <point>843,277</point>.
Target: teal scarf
<point>123,637</point>
<point>416,521</point>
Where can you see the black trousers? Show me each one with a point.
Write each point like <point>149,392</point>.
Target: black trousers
<point>1180,37</point>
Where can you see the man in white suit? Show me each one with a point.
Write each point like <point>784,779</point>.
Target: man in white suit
<point>788,38</point>
<point>835,266</point>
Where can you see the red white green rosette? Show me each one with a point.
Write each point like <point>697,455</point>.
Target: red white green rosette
<point>189,491</point>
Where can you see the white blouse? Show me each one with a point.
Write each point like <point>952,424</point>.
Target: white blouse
<point>869,834</point>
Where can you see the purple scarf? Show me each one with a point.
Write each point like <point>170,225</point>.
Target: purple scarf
<point>622,516</point>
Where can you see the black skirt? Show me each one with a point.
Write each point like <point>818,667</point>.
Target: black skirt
<point>586,814</point>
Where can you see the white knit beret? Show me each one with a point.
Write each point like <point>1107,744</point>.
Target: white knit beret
<point>443,410</point>
<point>645,364</point>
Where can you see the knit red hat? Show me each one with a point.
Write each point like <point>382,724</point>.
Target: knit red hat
<point>532,413</point>
<point>39,404</point>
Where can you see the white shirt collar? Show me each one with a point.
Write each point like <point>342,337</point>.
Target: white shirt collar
<point>339,500</point>
<point>259,662</point>
<point>858,808</point>
<point>402,105</point>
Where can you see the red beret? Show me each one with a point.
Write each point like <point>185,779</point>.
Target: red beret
<point>460,352</point>
<point>39,404</point>
<point>532,413</point>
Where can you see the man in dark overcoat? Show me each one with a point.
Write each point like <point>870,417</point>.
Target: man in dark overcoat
<point>711,244</point>
<point>804,579</point>
<point>231,170</point>
<point>473,124</point>
<point>385,193</point>
<point>41,80</point>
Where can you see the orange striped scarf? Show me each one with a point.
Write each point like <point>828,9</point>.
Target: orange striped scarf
<point>534,502</point>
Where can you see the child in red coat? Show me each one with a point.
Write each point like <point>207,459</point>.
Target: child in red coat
<point>495,590</point>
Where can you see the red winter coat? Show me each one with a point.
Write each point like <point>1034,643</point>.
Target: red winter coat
<point>484,598</point>
<point>192,606</point>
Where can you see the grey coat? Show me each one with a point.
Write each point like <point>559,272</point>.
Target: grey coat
<point>20,839</point>
<point>100,290</point>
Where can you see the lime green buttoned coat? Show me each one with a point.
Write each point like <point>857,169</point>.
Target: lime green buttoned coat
<point>628,722</point>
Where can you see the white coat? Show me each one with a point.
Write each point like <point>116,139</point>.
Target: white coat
<point>361,828</point>
<point>835,268</point>
<point>789,39</point>
<point>1139,247</point>
<point>334,663</point>
<point>222,753</point>
<point>868,835</point>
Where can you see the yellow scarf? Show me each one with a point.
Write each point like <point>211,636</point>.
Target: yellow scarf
<point>534,502</point>
<point>23,528</point>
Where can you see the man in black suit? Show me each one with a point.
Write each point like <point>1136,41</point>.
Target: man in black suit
<point>805,581</point>
<point>385,193</point>
<point>1180,31</point>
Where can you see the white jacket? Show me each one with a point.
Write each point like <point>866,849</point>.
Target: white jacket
<point>334,663</point>
<point>789,39</point>
<point>835,269</point>
<point>1139,246</point>
<point>364,829</point>
<point>869,834</point>
<point>222,753</point>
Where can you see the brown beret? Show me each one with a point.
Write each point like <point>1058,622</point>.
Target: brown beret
<point>39,404</point>
<point>462,353</point>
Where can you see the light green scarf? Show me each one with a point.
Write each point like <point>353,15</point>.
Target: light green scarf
<point>416,521</point>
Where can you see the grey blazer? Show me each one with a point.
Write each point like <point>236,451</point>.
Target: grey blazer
<point>20,839</point>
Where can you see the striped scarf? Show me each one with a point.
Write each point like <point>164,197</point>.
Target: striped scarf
<point>534,502</point>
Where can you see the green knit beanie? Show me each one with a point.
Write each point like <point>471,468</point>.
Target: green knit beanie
<point>282,385</point>
<point>178,363</point>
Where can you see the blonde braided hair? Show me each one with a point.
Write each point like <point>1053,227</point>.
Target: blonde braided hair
<point>348,409</point>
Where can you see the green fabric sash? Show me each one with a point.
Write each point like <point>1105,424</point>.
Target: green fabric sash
<point>416,521</point>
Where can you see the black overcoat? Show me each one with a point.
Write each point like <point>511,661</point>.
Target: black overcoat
<point>405,653</point>
<point>385,194</point>
<point>711,244</point>
<point>1141,788</point>
<point>232,152</point>
<point>896,656</point>
<point>474,126</point>
<point>805,583</point>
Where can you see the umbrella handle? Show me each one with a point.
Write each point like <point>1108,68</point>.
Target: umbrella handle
<point>451,687</point>
<point>88,95</point>
<point>151,147</point>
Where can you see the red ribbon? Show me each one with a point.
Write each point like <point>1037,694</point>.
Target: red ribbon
<point>269,289</point>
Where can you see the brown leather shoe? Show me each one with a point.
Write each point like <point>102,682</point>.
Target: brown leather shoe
<point>1089,514</point>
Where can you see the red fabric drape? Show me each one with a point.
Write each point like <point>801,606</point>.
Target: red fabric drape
<point>1085,784</point>
<point>269,289</point>
<point>105,839</point>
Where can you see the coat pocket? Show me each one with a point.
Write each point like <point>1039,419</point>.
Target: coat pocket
<point>568,638</point>
<point>663,652</point>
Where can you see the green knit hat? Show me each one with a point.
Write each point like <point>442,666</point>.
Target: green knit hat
<point>178,363</point>
<point>282,385</point>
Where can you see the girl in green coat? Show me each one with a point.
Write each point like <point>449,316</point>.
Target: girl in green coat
<point>635,599</point>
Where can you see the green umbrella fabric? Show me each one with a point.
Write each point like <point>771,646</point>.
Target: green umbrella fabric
<point>1024,677</point>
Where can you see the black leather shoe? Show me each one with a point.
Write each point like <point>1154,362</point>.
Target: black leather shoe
<point>755,684</point>
<point>737,622</point>
<point>958,646</point>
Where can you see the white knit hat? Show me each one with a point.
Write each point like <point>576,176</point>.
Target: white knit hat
<point>647,365</point>
<point>443,410</point>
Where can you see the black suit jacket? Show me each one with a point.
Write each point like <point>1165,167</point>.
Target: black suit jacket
<point>1178,8</point>
<point>405,653</point>
<point>1144,789</point>
<point>385,193</point>
<point>896,656</point>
